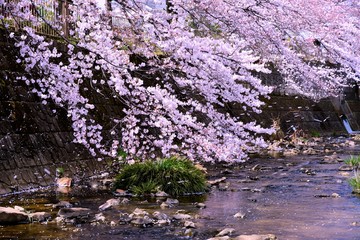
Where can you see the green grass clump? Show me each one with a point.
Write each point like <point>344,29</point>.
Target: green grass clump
<point>315,134</point>
<point>355,181</point>
<point>175,176</point>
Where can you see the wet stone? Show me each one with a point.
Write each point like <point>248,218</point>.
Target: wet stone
<point>345,168</point>
<point>74,212</point>
<point>355,224</point>
<point>254,178</point>
<point>39,216</point>
<point>124,218</point>
<point>223,186</point>
<point>10,215</point>
<point>160,216</point>
<point>161,194</point>
<point>182,216</point>
<point>100,217</point>
<point>225,232</point>
<point>308,171</point>
<point>189,224</point>
<point>109,204</point>
<point>189,233</point>
<point>240,215</point>
<point>62,204</point>
<point>164,205</point>
<point>139,212</point>
<point>227,171</point>
<point>256,237</point>
<point>143,221</point>
<point>171,201</point>
<point>219,238</point>
<point>163,222</point>
<point>19,208</point>
<point>200,205</point>
<point>125,201</point>
<point>216,181</point>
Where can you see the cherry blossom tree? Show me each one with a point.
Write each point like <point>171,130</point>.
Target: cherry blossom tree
<point>176,71</point>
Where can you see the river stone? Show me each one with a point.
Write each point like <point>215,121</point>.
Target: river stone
<point>10,215</point>
<point>109,203</point>
<point>345,168</point>
<point>200,205</point>
<point>189,233</point>
<point>124,218</point>
<point>310,151</point>
<point>139,212</point>
<point>256,237</point>
<point>189,224</point>
<point>335,195</point>
<point>125,201</point>
<point>216,181</point>
<point>172,201</point>
<point>331,159</point>
<point>163,222</point>
<point>161,194</point>
<point>164,205</point>
<point>64,182</point>
<point>100,217</point>
<point>62,204</point>
<point>160,216</point>
<point>240,215</point>
<point>291,152</point>
<point>219,238</point>
<point>142,221</point>
<point>21,209</point>
<point>39,216</point>
<point>227,171</point>
<point>223,186</point>
<point>350,143</point>
<point>182,216</point>
<point>256,167</point>
<point>355,224</point>
<point>226,231</point>
<point>74,212</point>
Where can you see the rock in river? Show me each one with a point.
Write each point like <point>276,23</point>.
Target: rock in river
<point>219,238</point>
<point>74,212</point>
<point>225,232</point>
<point>256,237</point>
<point>39,216</point>
<point>109,203</point>
<point>182,216</point>
<point>10,215</point>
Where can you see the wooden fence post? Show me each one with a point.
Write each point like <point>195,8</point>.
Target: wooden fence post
<point>65,15</point>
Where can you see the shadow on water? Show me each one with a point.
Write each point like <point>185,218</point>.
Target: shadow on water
<point>294,198</point>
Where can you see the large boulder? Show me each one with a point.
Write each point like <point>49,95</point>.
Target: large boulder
<point>10,215</point>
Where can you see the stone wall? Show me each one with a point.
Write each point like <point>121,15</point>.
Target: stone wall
<point>311,117</point>
<point>35,139</point>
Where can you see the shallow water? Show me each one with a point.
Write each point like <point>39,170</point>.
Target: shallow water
<point>289,197</point>
<point>291,204</point>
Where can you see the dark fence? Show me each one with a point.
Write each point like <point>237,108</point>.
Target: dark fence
<point>47,17</point>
